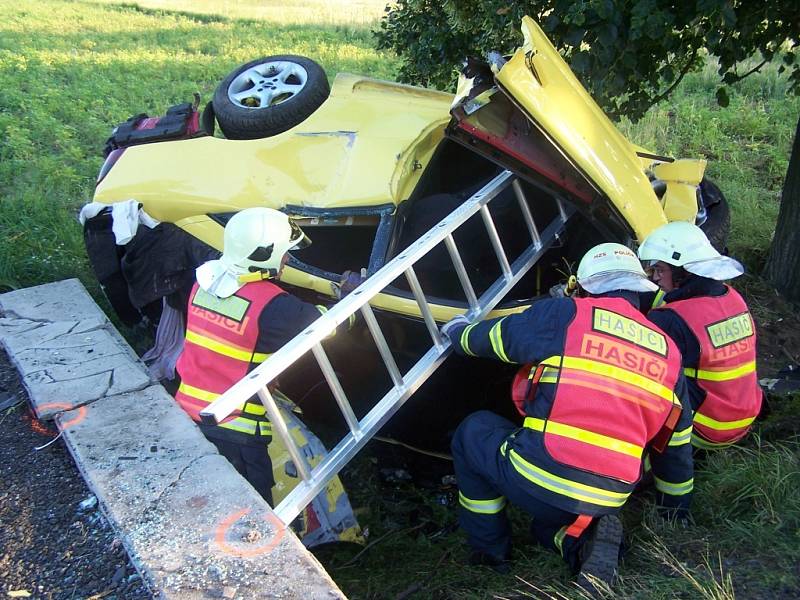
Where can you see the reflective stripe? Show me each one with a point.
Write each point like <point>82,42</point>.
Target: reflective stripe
<point>241,425</point>
<point>549,372</point>
<point>598,368</point>
<point>483,507</point>
<point>726,375</point>
<point>679,438</point>
<point>225,349</point>
<point>585,436</point>
<point>722,425</point>
<point>496,338</point>
<point>253,408</point>
<point>465,338</point>
<point>674,489</point>
<point>565,487</point>
<point>659,299</point>
<point>704,444</point>
<point>194,392</point>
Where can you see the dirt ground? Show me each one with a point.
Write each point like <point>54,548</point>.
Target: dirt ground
<point>55,544</point>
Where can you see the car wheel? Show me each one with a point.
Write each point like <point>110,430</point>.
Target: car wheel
<point>268,96</point>
<point>717,222</point>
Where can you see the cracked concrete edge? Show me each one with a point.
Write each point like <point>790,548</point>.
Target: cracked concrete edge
<point>150,503</point>
<point>144,502</point>
<point>54,329</point>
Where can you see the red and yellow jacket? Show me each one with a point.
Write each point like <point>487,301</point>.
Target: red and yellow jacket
<point>220,349</point>
<point>608,388</point>
<point>725,370</point>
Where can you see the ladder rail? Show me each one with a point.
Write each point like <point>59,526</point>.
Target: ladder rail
<point>348,447</point>
<point>313,480</point>
<point>326,323</point>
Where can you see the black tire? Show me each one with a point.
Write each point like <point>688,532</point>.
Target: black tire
<point>717,225</point>
<point>238,121</point>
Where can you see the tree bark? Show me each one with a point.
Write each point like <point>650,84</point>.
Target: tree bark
<point>783,263</point>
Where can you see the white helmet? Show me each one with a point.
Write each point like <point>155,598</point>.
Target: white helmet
<point>683,244</point>
<point>611,266</point>
<point>255,241</point>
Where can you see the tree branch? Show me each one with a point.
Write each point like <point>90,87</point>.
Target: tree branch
<point>686,68</point>
<point>738,78</point>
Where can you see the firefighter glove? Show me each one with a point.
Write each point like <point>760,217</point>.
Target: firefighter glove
<point>457,321</point>
<point>350,281</point>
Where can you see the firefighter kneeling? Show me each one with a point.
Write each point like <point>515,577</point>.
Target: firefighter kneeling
<point>238,316</point>
<point>712,327</point>
<point>605,388</point>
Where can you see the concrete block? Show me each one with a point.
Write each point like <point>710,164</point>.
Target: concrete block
<point>62,301</point>
<point>65,300</point>
<point>193,526</point>
<point>73,369</point>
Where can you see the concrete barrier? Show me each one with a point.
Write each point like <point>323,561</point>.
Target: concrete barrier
<point>191,524</point>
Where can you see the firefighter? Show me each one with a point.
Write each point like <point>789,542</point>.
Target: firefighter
<point>605,386</point>
<point>237,316</point>
<point>712,327</point>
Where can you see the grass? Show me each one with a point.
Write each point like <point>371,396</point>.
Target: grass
<point>279,12</point>
<point>69,70</point>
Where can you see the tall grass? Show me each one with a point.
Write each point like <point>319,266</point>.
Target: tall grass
<point>280,12</point>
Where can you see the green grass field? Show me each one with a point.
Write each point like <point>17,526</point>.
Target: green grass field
<point>69,70</point>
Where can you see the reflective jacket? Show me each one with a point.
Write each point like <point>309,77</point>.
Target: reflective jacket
<point>725,369</point>
<point>607,383</point>
<point>220,349</point>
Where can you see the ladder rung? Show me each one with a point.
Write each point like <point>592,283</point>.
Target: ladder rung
<point>526,213</point>
<point>463,277</point>
<point>430,322</point>
<point>336,388</point>
<point>279,425</point>
<point>496,244</point>
<point>383,347</point>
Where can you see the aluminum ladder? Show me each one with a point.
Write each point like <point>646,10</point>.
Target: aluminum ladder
<point>405,384</point>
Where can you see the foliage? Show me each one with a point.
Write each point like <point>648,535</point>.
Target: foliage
<point>629,53</point>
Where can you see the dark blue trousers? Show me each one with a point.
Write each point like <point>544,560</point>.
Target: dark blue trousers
<point>487,481</point>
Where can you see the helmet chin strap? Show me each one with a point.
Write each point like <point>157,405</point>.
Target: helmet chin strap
<point>258,276</point>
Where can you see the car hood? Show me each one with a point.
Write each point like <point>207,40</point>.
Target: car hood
<point>539,82</point>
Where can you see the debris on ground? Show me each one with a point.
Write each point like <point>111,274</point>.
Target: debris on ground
<point>54,543</point>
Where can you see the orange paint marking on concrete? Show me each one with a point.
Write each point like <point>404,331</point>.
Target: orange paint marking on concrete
<point>60,405</point>
<point>227,548</point>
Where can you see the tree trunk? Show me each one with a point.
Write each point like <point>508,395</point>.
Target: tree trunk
<point>783,264</point>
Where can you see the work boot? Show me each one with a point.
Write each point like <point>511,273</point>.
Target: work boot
<point>600,555</point>
<point>497,564</point>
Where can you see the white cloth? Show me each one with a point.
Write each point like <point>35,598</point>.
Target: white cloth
<point>219,278</point>
<point>125,217</point>
<point>607,282</point>
<point>720,268</point>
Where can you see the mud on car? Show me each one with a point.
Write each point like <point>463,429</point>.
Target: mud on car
<point>366,167</point>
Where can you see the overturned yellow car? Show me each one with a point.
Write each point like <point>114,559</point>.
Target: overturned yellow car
<point>366,168</point>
